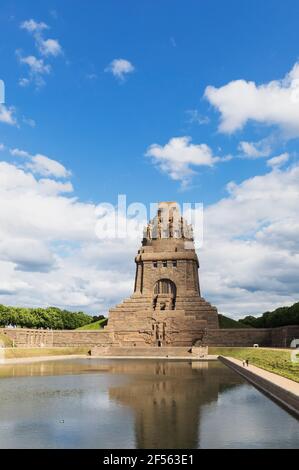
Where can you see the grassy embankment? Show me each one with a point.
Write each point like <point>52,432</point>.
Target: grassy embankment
<point>5,341</point>
<point>272,360</point>
<point>97,325</point>
<point>15,353</point>
<point>226,322</point>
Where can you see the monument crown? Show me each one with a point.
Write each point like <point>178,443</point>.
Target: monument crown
<point>168,223</point>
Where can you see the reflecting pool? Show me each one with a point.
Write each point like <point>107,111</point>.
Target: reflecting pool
<point>93,403</point>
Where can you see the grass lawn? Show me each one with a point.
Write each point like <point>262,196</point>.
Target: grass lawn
<point>11,353</point>
<point>273,360</point>
<point>97,325</point>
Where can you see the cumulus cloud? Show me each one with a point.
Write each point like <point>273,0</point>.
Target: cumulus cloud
<point>278,161</point>
<point>49,251</point>
<point>249,259</point>
<point>255,149</point>
<point>47,167</point>
<point>49,47</point>
<point>7,115</point>
<point>33,26</point>
<point>36,66</point>
<point>46,47</point>
<point>19,153</point>
<point>274,103</point>
<point>37,69</point>
<point>27,254</point>
<point>41,164</point>
<point>178,157</point>
<point>50,254</point>
<point>120,68</point>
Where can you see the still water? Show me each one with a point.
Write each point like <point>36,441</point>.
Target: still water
<point>92,403</point>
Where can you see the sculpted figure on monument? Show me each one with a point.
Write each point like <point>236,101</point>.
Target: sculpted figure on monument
<point>182,228</point>
<point>171,227</point>
<point>159,229</point>
<point>149,231</point>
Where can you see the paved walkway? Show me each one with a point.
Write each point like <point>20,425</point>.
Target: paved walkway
<point>286,384</point>
<point>26,360</point>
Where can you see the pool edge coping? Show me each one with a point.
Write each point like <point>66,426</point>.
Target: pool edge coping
<point>261,379</point>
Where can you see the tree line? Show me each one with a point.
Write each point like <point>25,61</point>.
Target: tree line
<point>57,319</point>
<point>51,317</point>
<point>282,316</point>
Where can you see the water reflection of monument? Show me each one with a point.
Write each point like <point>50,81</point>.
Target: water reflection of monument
<point>167,397</point>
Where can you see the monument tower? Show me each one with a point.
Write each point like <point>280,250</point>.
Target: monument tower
<point>166,308</point>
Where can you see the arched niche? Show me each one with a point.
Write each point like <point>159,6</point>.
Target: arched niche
<point>164,295</point>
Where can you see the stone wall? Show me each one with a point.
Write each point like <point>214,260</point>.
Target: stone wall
<point>275,337</point>
<point>59,338</point>
<point>283,336</point>
<point>239,337</point>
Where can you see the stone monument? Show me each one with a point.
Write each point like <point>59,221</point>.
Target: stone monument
<point>166,308</point>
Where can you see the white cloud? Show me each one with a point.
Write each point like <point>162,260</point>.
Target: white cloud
<point>12,177</point>
<point>7,115</point>
<point>194,117</point>
<point>33,26</point>
<point>273,103</point>
<point>249,259</point>
<point>49,47</point>
<point>255,149</point>
<point>36,66</point>
<point>179,155</point>
<point>45,166</point>
<point>278,161</point>
<point>19,153</point>
<point>23,82</point>
<point>27,254</point>
<point>41,164</point>
<point>2,147</point>
<point>120,67</point>
<point>46,47</point>
<point>49,253</point>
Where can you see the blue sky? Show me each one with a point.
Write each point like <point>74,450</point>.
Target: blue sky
<point>163,100</point>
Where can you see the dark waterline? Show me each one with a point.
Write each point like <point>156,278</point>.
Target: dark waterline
<point>88,403</point>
